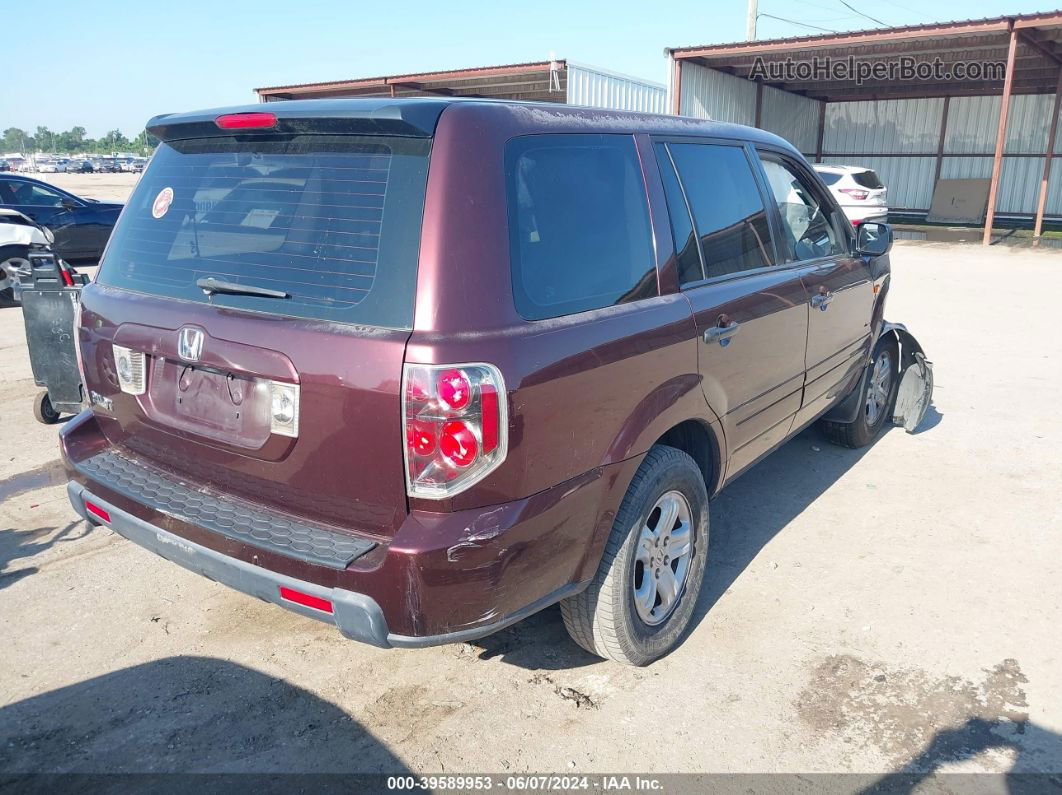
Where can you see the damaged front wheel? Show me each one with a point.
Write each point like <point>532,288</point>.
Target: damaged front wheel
<point>875,402</point>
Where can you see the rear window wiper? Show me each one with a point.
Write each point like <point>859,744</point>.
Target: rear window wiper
<point>210,285</point>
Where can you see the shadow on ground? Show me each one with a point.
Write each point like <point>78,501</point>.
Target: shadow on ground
<point>186,714</point>
<point>15,544</point>
<point>744,518</point>
<point>1037,754</point>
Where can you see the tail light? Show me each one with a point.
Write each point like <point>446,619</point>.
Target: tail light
<point>130,367</point>
<point>77,342</point>
<point>456,426</point>
<point>858,195</point>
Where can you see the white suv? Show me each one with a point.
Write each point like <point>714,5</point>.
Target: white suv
<point>858,190</point>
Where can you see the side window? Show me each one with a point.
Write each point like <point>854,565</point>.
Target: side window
<point>34,195</point>
<point>808,228</point>
<point>727,209</point>
<point>578,224</point>
<point>686,252</point>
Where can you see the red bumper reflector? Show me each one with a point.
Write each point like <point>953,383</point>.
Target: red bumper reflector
<point>97,511</point>
<point>304,599</point>
<point>246,121</point>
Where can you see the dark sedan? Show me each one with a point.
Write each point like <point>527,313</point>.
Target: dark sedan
<point>81,226</point>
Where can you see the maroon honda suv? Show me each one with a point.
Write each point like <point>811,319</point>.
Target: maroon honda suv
<point>420,368</point>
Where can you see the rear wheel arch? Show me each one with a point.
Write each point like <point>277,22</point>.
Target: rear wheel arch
<point>697,439</point>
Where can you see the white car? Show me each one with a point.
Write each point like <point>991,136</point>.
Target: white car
<point>858,190</point>
<point>17,234</point>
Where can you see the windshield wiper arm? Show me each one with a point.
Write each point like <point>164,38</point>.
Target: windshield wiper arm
<point>210,285</point>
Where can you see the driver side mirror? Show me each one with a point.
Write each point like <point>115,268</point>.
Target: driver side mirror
<point>70,204</point>
<point>873,239</point>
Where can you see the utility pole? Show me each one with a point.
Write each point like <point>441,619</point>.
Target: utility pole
<point>750,20</point>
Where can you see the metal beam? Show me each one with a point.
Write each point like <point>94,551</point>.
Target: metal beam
<point>676,100</point>
<point>822,132</point>
<point>1042,201</point>
<point>940,141</point>
<point>1001,139</point>
<point>1045,51</point>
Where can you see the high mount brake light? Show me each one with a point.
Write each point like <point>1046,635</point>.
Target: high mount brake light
<point>456,426</point>
<point>246,121</point>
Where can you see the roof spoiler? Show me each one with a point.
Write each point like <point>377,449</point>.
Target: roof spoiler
<point>407,118</point>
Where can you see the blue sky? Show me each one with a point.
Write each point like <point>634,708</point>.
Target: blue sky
<point>122,62</point>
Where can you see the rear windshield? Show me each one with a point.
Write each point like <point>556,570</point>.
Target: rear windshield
<point>333,221</point>
<point>867,179</point>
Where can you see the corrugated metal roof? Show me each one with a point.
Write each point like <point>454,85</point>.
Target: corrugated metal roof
<point>914,29</point>
<point>437,75</point>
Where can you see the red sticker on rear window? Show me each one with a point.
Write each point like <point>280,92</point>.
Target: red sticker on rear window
<point>162,202</point>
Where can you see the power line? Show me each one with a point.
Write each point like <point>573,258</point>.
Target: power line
<point>872,19</point>
<point>794,22</point>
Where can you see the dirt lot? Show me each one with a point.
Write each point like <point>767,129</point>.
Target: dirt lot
<point>896,608</point>
<point>105,187</point>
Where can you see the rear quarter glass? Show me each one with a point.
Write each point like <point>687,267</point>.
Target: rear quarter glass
<point>579,229</point>
<point>332,220</point>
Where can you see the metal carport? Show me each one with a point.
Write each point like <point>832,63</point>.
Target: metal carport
<point>913,131</point>
<point>557,80</point>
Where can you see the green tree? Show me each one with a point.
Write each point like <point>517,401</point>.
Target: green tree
<point>45,139</point>
<point>145,143</point>
<point>116,140</point>
<point>17,140</point>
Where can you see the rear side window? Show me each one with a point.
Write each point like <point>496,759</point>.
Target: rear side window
<point>578,224</point>
<point>334,221</point>
<point>867,179</point>
<point>727,209</point>
<point>829,177</point>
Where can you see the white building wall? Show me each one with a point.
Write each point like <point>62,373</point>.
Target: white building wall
<point>600,88</point>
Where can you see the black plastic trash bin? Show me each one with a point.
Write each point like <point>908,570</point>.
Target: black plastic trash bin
<point>51,291</point>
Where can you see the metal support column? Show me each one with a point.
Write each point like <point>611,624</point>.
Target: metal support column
<point>1001,138</point>
<point>1042,203</point>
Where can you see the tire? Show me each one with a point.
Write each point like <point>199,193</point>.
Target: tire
<point>865,427</point>
<point>605,618</point>
<point>11,258</point>
<point>43,409</point>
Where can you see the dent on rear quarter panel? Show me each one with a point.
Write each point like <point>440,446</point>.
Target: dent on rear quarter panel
<point>585,390</point>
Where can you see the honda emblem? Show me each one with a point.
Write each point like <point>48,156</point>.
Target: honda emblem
<point>190,344</point>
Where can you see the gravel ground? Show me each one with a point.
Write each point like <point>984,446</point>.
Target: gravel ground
<point>894,608</point>
<point>105,187</point>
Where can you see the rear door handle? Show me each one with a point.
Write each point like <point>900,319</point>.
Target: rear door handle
<point>821,300</point>
<point>721,334</point>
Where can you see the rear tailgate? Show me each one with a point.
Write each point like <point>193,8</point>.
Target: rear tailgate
<point>331,225</point>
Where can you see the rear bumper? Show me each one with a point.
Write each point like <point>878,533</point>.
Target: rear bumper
<point>859,213</point>
<point>443,577</point>
<point>357,616</point>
